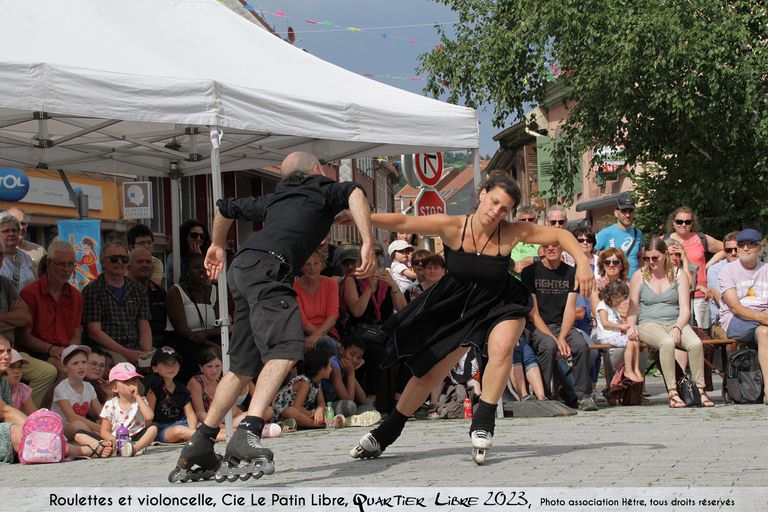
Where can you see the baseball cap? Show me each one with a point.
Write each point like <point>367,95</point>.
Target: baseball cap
<point>123,371</point>
<point>75,348</point>
<point>16,357</point>
<point>398,245</point>
<point>624,201</point>
<point>164,354</point>
<point>749,235</point>
<point>349,254</point>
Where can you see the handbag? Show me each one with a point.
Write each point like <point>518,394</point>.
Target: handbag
<point>688,392</point>
<point>370,333</point>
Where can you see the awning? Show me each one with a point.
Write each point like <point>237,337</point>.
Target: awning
<point>600,202</point>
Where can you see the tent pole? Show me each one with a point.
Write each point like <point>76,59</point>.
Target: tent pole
<point>175,176</point>
<point>216,135</point>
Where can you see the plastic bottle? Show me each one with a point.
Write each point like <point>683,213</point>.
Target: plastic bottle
<point>467,408</point>
<point>121,437</point>
<point>329,424</point>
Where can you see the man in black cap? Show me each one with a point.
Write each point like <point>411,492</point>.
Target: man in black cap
<point>744,292</point>
<point>267,322</point>
<point>623,235</point>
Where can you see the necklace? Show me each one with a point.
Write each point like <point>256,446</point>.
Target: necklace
<point>472,232</point>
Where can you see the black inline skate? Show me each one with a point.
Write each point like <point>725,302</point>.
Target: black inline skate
<point>197,460</point>
<point>245,458</point>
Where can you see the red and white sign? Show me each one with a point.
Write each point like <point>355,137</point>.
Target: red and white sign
<point>429,167</point>
<point>428,202</point>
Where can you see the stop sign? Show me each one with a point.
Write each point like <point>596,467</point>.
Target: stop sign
<point>428,202</point>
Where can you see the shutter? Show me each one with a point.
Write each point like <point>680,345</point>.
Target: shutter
<point>544,164</point>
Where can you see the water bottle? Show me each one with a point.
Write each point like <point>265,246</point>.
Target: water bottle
<point>467,409</point>
<point>329,424</point>
<point>121,437</point>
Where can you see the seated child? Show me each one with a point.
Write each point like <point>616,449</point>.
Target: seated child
<point>612,331</point>
<point>526,372</point>
<point>128,408</point>
<point>466,371</point>
<point>73,398</point>
<point>21,394</point>
<point>174,415</point>
<point>343,389</point>
<point>302,399</point>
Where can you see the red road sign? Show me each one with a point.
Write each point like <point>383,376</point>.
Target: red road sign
<point>428,202</point>
<point>429,167</point>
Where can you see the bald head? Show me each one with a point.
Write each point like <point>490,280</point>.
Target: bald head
<point>300,161</point>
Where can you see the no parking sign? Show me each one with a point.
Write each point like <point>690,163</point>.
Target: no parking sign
<point>429,167</point>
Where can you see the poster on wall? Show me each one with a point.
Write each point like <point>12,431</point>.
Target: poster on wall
<point>85,237</point>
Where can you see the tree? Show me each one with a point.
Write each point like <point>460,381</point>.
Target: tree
<point>681,84</point>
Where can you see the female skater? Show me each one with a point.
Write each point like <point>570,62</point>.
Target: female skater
<point>478,302</point>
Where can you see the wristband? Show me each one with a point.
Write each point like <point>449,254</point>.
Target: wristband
<point>679,329</point>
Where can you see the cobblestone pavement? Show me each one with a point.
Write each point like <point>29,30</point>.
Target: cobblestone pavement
<point>650,445</point>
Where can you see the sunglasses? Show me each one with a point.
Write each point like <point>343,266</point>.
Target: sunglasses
<point>194,236</point>
<point>729,250</point>
<point>584,240</point>
<point>527,219</point>
<point>748,244</point>
<point>612,263</point>
<point>680,222</point>
<point>557,222</point>
<point>651,258</point>
<point>116,258</point>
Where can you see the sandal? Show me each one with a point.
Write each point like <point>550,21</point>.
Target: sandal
<point>101,444</point>
<point>675,402</point>
<point>705,400</point>
<point>98,452</point>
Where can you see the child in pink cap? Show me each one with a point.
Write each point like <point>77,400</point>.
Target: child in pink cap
<point>128,408</point>
<point>21,394</point>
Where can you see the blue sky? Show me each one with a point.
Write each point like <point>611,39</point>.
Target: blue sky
<point>369,51</point>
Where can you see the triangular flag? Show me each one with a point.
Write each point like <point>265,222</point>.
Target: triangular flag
<point>278,12</point>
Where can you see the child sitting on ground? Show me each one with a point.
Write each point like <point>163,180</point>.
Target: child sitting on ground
<point>301,400</point>
<point>170,400</point>
<point>97,373</point>
<point>343,389</point>
<point>128,408</point>
<point>73,398</point>
<point>21,394</point>
<point>612,330</point>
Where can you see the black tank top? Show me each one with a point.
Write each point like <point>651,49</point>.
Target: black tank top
<point>487,271</point>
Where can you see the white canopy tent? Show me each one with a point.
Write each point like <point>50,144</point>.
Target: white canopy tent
<point>183,87</point>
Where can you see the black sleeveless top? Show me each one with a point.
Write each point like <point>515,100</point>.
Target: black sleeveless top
<point>476,293</point>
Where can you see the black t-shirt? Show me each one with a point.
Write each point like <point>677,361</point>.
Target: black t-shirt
<point>158,315</point>
<point>551,288</point>
<point>169,408</point>
<point>296,217</point>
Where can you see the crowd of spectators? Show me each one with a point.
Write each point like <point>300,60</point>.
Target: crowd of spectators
<point>137,350</point>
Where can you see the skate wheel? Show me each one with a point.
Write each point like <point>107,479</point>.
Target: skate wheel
<point>245,477</point>
<point>268,468</point>
<point>258,475</point>
<point>232,478</point>
<point>219,478</point>
<point>173,476</point>
<point>478,456</point>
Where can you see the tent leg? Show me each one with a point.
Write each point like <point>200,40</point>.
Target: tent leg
<point>175,176</point>
<point>216,135</point>
<point>478,176</point>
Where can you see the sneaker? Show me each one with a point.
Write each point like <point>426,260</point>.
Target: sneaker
<point>367,448</point>
<point>288,425</point>
<point>529,398</point>
<point>364,419</point>
<point>587,404</point>
<point>598,397</point>
<point>339,421</point>
<point>272,430</point>
<point>126,450</point>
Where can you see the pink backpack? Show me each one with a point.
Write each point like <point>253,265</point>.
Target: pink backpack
<point>42,438</point>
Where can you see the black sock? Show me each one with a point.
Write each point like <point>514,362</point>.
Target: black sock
<point>484,417</point>
<point>390,429</point>
<point>210,432</point>
<point>253,424</point>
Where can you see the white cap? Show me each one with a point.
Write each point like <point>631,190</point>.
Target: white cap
<point>398,245</point>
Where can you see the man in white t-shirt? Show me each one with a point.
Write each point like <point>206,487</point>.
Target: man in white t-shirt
<point>744,291</point>
<point>400,253</point>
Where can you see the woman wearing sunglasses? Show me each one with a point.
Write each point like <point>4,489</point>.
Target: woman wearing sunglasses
<point>195,239</point>
<point>659,310</point>
<point>683,226</point>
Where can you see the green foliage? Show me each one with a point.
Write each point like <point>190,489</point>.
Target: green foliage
<point>683,85</point>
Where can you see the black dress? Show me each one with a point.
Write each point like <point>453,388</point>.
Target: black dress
<point>476,293</point>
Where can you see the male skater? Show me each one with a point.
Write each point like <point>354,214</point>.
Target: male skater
<point>267,322</point>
